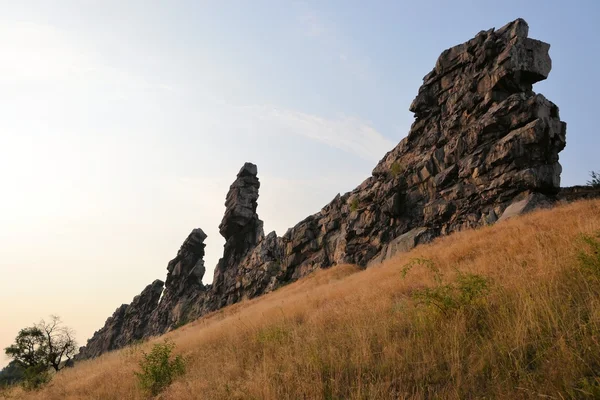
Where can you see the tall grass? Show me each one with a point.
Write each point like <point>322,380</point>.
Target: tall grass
<point>533,331</point>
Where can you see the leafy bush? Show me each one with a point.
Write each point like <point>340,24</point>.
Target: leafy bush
<point>159,369</point>
<point>448,297</point>
<point>11,374</point>
<point>594,179</point>
<point>35,377</point>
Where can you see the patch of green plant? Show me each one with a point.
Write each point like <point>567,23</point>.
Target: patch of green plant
<point>159,368</point>
<point>588,387</point>
<point>396,169</point>
<point>589,259</point>
<point>594,180</point>
<point>465,291</point>
<point>354,204</point>
<point>12,374</point>
<point>35,377</point>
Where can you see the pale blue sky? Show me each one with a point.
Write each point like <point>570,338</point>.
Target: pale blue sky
<point>122,123</point>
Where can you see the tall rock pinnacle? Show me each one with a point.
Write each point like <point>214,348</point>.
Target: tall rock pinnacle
<point>241,228</point>
<point>183,288</point>
<point>240,224</point>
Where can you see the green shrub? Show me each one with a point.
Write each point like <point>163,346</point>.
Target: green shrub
<point>594,179</point>
<point>12,374</point>
<point>159,369</point>
<point>354,204</point>
<point>35,377</point>
<point>464,292</point>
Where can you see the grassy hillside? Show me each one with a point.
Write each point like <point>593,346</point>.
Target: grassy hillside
<point>508,311</point>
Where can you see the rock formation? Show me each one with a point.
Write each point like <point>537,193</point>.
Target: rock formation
<point>483,147</point>
<point>128,323</point>
<point>481,140</point>
<point>183,287</point>
<point>242,230</point>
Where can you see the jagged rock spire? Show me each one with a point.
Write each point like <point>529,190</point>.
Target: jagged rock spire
<point>240,222</point>
<point>241,227</point>
<point>187,269</point>
<point>183,288</point>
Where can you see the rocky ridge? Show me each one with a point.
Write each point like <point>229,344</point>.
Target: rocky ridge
<point>483,147</point>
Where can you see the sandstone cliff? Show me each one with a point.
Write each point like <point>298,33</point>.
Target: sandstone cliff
<point>483,147</point>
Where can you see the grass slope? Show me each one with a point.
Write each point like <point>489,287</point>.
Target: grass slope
<point>343,333</point>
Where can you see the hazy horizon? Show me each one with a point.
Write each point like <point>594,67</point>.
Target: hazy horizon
<point>124,123</point>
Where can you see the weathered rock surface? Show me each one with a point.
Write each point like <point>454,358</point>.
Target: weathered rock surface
<point>403,243</point>
<point>183,287</point>
<point>242,230</point>
<point>480,139</point>
<point>483,147</point>
<point>128,323</point>
<point>146,316</point>
<point>524,204</point>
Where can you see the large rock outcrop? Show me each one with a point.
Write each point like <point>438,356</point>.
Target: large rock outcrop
<point>481,140</point>
<point>483,147</point>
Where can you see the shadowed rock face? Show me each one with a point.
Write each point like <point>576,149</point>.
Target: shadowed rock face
<point>483,147</point>
<point>183,287</point>
<point>242,230</point>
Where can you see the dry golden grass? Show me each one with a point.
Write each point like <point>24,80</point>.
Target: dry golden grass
<point>343,333</point>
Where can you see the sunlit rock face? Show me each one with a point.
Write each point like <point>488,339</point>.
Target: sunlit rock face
<point>481,140</point>
<point>483,147</point>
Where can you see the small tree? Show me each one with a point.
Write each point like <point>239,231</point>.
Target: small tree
<point>29,349</point>
<point>595,179</point>
<point>41,346</point>
<point>59,341</point>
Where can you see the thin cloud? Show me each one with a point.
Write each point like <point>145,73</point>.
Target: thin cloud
<point>327,35</point>
<point>35,53</point>
<point>346,133</point>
